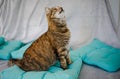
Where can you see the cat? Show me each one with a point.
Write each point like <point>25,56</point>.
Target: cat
<point>50,47</point>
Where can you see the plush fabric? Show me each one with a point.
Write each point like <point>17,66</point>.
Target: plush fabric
<point>85,18</point>
<point>19,53</point>
<point>1,40</point>
<point>54,72</point>
<point>7,47</point>
<point>100,54</point>
<point>15,49</point>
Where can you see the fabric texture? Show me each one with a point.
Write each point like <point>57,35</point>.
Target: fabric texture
<point>16,49</point>
<point>54,72</point>
<point>100,54</point>
<point>18,54</point>
<point>2,40</point>
<point>7,47</point>
<point>25,20</point>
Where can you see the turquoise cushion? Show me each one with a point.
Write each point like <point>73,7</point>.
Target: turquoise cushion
<point>100,54</point>
<point>16,50</point>
<point>54,72</point>
<point>18,54</point>
<point>7,47</point>
<point>2,40</point>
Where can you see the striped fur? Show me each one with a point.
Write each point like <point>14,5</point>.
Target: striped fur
<point>49,47</point>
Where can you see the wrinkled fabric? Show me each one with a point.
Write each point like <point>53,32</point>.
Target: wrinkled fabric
<point>100,54</point>
<point>54,72</point>
<point>7,47</point>
<point>25,20</point>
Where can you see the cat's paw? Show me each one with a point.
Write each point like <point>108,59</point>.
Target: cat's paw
<point>64,68</point>
<point>69,62</point>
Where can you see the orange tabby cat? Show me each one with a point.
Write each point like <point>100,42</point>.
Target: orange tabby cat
<point>50,46</point>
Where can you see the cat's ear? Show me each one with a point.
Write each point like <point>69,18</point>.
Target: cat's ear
<point>47,10</point>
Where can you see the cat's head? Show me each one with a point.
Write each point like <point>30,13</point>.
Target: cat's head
<point>56,15</point>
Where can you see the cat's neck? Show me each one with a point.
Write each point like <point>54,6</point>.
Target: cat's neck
<point>59,29</point>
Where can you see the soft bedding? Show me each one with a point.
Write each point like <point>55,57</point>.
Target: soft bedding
<point>19,53</point>
<point>54,72</point>
<point>7,47</point>
<point>95,53</point>
<point>87,19</point>
<point>1,40</point>
<point>101,55</point>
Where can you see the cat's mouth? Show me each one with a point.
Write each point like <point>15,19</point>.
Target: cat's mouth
<point>59,9</point>
<point>59,14</point>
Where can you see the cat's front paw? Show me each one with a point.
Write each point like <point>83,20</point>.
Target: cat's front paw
<point>64,67</point>
<point>70,62</point>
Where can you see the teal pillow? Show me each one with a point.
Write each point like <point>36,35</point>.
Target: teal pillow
<point>8,47</point>
<point>18,54</point>
<point>2,40</point>
<point>54,72</point>
<point>100,54</point>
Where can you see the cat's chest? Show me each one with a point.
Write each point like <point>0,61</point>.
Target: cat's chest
<point>61,39</point>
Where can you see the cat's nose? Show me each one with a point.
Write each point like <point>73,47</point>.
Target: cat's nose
<point>61,9</point>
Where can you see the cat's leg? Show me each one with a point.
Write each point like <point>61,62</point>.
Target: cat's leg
<point>62,52</point>
<point>68,58</point>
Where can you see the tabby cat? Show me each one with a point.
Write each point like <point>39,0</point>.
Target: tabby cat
<point>49,47</point>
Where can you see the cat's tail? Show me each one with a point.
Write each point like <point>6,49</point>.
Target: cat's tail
<point>14,62</point>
